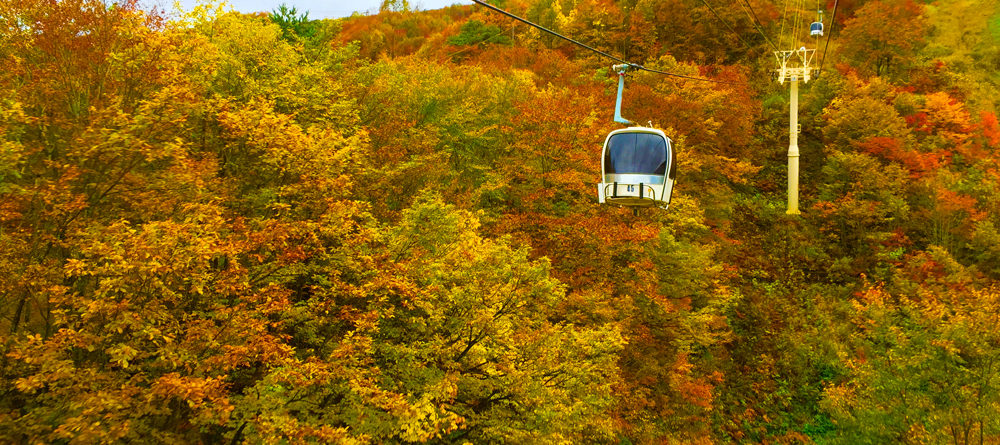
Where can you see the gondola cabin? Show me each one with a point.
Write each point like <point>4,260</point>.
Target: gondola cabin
<point>638,166</point>
<point>816,29</point>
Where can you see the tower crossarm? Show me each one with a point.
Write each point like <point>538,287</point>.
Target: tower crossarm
<point>796,63</point>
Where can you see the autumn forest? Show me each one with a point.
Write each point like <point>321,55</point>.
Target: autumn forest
<point>219,227</point>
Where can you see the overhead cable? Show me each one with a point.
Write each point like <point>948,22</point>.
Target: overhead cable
<point>833,20</point>
<point>756,23</point>
<point>595,50</point>
<point>781,32</point>
<point>710,8</point>
<point>798,22</point>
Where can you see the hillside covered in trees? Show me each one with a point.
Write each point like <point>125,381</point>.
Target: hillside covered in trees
<point>224,228</point>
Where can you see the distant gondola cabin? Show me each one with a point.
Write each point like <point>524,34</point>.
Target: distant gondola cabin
<point>638,168</point>
<point>816,29</point>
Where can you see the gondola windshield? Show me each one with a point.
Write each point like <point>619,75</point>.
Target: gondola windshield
<point>636,153</point>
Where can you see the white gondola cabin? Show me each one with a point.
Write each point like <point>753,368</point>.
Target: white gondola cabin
<point>638,167</point>
<point>816,29</point>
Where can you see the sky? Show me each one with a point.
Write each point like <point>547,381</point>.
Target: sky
<point>318,9</point>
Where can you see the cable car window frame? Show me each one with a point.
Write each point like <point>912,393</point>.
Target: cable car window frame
<point>673,164</point>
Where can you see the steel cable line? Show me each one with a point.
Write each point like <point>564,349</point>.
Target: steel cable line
<point>616,59</point>
<point>710,8</point>
<point>784,15</point>
<point>802,19</point>
<point>583,45</point>
<point>829,35</point>
<point>796,22</point>
<point>756,23</point>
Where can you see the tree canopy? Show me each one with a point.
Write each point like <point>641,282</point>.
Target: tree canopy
<point>266,228</point>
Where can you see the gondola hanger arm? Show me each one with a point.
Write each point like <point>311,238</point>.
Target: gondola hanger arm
<point>621,70</point>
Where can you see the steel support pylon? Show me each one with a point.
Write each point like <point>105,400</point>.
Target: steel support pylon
<point>794,66</point>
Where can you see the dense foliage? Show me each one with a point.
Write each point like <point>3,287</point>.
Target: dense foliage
<point>218,227</point>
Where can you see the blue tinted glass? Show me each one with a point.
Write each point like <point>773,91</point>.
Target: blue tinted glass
<point>639,153</point>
